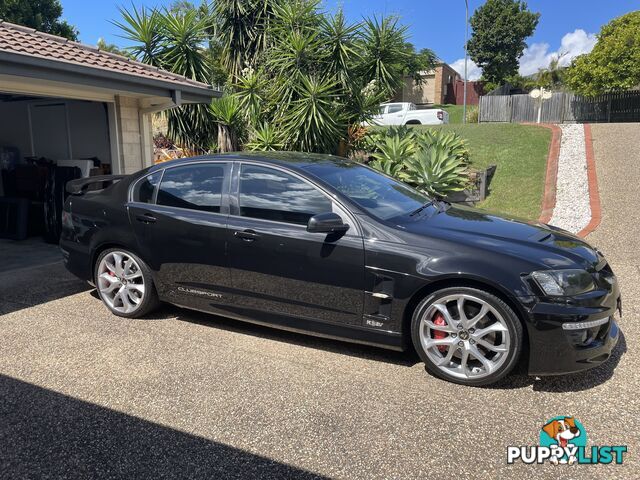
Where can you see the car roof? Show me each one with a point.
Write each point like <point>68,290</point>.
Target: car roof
<point>295,160</point>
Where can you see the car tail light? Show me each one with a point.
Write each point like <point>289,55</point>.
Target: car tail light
<point>440,114</point>
<point>67,221</point>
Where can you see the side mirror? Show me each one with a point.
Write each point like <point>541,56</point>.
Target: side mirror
<point>326,223</point>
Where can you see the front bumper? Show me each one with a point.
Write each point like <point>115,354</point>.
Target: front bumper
<point>555,350</point>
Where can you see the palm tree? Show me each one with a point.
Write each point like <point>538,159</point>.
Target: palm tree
<point>552,76</point>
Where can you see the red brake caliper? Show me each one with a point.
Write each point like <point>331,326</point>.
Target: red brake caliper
<point>438,334</point>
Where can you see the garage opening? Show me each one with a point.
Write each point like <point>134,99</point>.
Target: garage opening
<point>44,143</point>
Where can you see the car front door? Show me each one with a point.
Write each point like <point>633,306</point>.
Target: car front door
<point>395,114</point>
<point>278,266</point>
<point>182,232</point>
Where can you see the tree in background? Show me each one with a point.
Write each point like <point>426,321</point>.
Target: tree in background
<point>175,41</point>
<point>43,15</point>
<point>614,63</point>
<point>500,28</point>
<point>552,76</point>
<point>297,78</point>
<point>242,27</point>
<point>112,48</point>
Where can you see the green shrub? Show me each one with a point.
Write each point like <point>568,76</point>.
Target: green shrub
<point>434,161</point>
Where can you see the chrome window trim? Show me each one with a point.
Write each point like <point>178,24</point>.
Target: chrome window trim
<point>161,171</point>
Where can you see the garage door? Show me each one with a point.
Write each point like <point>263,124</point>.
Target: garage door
<point>44,142</point>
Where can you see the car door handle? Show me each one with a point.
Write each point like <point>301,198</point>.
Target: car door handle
<point>247,235</point>
<point>146,218</point>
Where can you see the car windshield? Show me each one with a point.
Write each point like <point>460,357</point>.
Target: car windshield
<point>378,194</point>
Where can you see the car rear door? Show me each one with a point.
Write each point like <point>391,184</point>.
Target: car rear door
<point>182,232</point>
<point>276,265</point>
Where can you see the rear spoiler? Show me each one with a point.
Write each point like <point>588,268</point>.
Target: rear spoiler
<point>80,185</point>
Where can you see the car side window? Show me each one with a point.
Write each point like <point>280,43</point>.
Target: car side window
<point>394,108</point>
<point>144,189</point>
<point>196,187</point>
<point>271,194</point>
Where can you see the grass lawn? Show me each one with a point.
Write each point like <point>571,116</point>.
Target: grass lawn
<point>520,152</point>
<point>454,111</point>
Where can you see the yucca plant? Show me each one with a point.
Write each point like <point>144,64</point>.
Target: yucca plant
<point>227,112</point>
<point>435,170</point>
<point>266,138</point>
<point>242,29</point>
<point>312,122</point>
<point>339,40</point>
<point>173,40</point>
<point>383,52</point>
<point>142,28</point>
<point>251,88</point>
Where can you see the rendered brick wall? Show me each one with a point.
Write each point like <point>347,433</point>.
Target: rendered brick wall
<point>132,155</point>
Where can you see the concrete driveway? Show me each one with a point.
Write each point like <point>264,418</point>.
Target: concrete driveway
<point>86,394</point>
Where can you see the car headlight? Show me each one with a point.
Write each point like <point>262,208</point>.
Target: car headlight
<point>564,282</point>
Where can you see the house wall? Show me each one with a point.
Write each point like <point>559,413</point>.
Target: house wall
<point>134,135</point>
<point>445,84</point>
<point>423,94</point>
<point>437,88</point>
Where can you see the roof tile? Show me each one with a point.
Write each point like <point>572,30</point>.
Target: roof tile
<point>27,41</point>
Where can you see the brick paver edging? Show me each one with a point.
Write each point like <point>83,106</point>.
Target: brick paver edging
<point>549,196</point>
<point>594,195</point>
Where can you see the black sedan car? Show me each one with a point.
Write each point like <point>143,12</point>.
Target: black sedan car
<point>323,245</point>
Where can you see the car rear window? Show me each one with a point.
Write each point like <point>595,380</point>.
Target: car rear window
<point>144,189</point>
<point>196,187</point>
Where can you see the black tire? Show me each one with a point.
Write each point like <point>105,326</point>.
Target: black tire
<point>150,300</point>
<point>413,122</point>
<point>511,320</point>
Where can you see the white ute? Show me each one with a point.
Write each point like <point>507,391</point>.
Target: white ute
<point>406,113</point>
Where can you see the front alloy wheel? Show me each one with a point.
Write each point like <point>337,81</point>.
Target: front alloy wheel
<point>467,336</point>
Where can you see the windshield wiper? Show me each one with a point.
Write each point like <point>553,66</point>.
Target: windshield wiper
<point>421,208</point>
<point>441,205</point>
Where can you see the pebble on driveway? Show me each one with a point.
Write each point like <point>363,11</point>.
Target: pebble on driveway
<point>573,210</point>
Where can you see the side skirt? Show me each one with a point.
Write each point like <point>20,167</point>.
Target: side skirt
<point>350,334</point>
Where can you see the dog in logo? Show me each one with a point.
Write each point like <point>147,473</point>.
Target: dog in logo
<point>562,431</point>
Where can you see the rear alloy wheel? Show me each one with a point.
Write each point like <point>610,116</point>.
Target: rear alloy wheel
<point>124,284</point>
<point>467,336</point>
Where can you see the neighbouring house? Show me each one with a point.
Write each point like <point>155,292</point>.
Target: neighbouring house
<point>442,85</point>
<point>65,105</point>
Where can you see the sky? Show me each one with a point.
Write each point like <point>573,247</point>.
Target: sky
<point>566,26</point>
